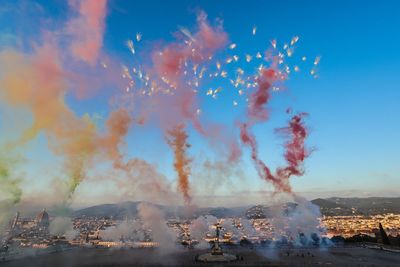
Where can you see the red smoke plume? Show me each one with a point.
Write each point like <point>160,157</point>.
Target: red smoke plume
<point>296,131</point>
<point>295,147</point>
<point>256,109</point>
<point>178,142</point>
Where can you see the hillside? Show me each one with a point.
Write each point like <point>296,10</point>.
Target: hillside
<point>330,206</point>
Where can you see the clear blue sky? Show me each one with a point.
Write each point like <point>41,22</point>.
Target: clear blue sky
<point>353,105</point>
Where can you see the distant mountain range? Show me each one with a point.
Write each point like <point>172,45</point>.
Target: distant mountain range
<point>130,209</point>
<point>328,206</point>
<point>358,206</point>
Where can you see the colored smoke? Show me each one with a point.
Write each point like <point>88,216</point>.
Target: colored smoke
<point>178,142</point>
<point>296,131</point>
<point>87,29</point>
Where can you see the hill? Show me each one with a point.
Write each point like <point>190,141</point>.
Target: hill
<point>330,206</point>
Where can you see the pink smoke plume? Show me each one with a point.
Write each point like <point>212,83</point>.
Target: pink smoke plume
<point>168,65</point>
<point>87,29</point>
<point>297,132</point>
<point>256,110</point>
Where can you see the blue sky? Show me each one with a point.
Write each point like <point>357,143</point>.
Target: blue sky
<point>353,105</point>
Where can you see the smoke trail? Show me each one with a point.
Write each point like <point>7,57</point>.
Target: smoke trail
<point>142,178</point>
<point>168,66</point>
<point>304,221</point>
<point>9,185</point>
<point>38,82</point>
<point>295,147</point>
<point>117,126</point>
<point>87,29</point>
<point>257,111</point>
<point>296,131</point>
<point>174,68</point>
<point>263,170</point>
<point>178,142</point>
<point>10,191</point>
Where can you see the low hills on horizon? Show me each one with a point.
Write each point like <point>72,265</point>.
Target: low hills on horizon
<point>328,207</point>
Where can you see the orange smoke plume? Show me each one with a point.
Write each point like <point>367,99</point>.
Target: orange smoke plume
<point>178,142</point>
<point>117,128</point>
<point>37,82</point>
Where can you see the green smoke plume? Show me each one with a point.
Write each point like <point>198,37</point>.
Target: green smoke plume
<point>10,191</point>
<point>10,186</point>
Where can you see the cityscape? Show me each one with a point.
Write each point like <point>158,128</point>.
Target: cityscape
<point>45,234</point>
<point>199,133</point>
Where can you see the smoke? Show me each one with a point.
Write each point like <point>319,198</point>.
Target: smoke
<point>257,111</point>
<point>38,82</point>
<point>229,226</point>
<point>153,218</point>
<point>168,67</point>
<point>295,147</point>
<point>142,181</point>
<point>212,176</point>
<point>296,131</point>
<point>178,142</point>
<point>298,222</point>
<point>200,227</point>
<point>178,103</point>
<point>87,29</point>
<point>10,190</point>
<point>63,226</point>
<point>126,229</point>
<point>247,228</point>
<point>117,126</point>
<point>10,185</point>
<point>175,100</point>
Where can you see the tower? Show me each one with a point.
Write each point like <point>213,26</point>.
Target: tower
<point>216,254</point>
<point>216,250</point>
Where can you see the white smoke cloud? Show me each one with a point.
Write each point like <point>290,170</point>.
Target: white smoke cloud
<point>63,226</point>
<point>200,227</point>
<point>125,229</point>
<point>299,223</point>
<point>153,218</point>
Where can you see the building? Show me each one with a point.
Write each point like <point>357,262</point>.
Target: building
<point>42,220</point>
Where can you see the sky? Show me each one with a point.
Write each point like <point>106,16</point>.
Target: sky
<point>352,104</point>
